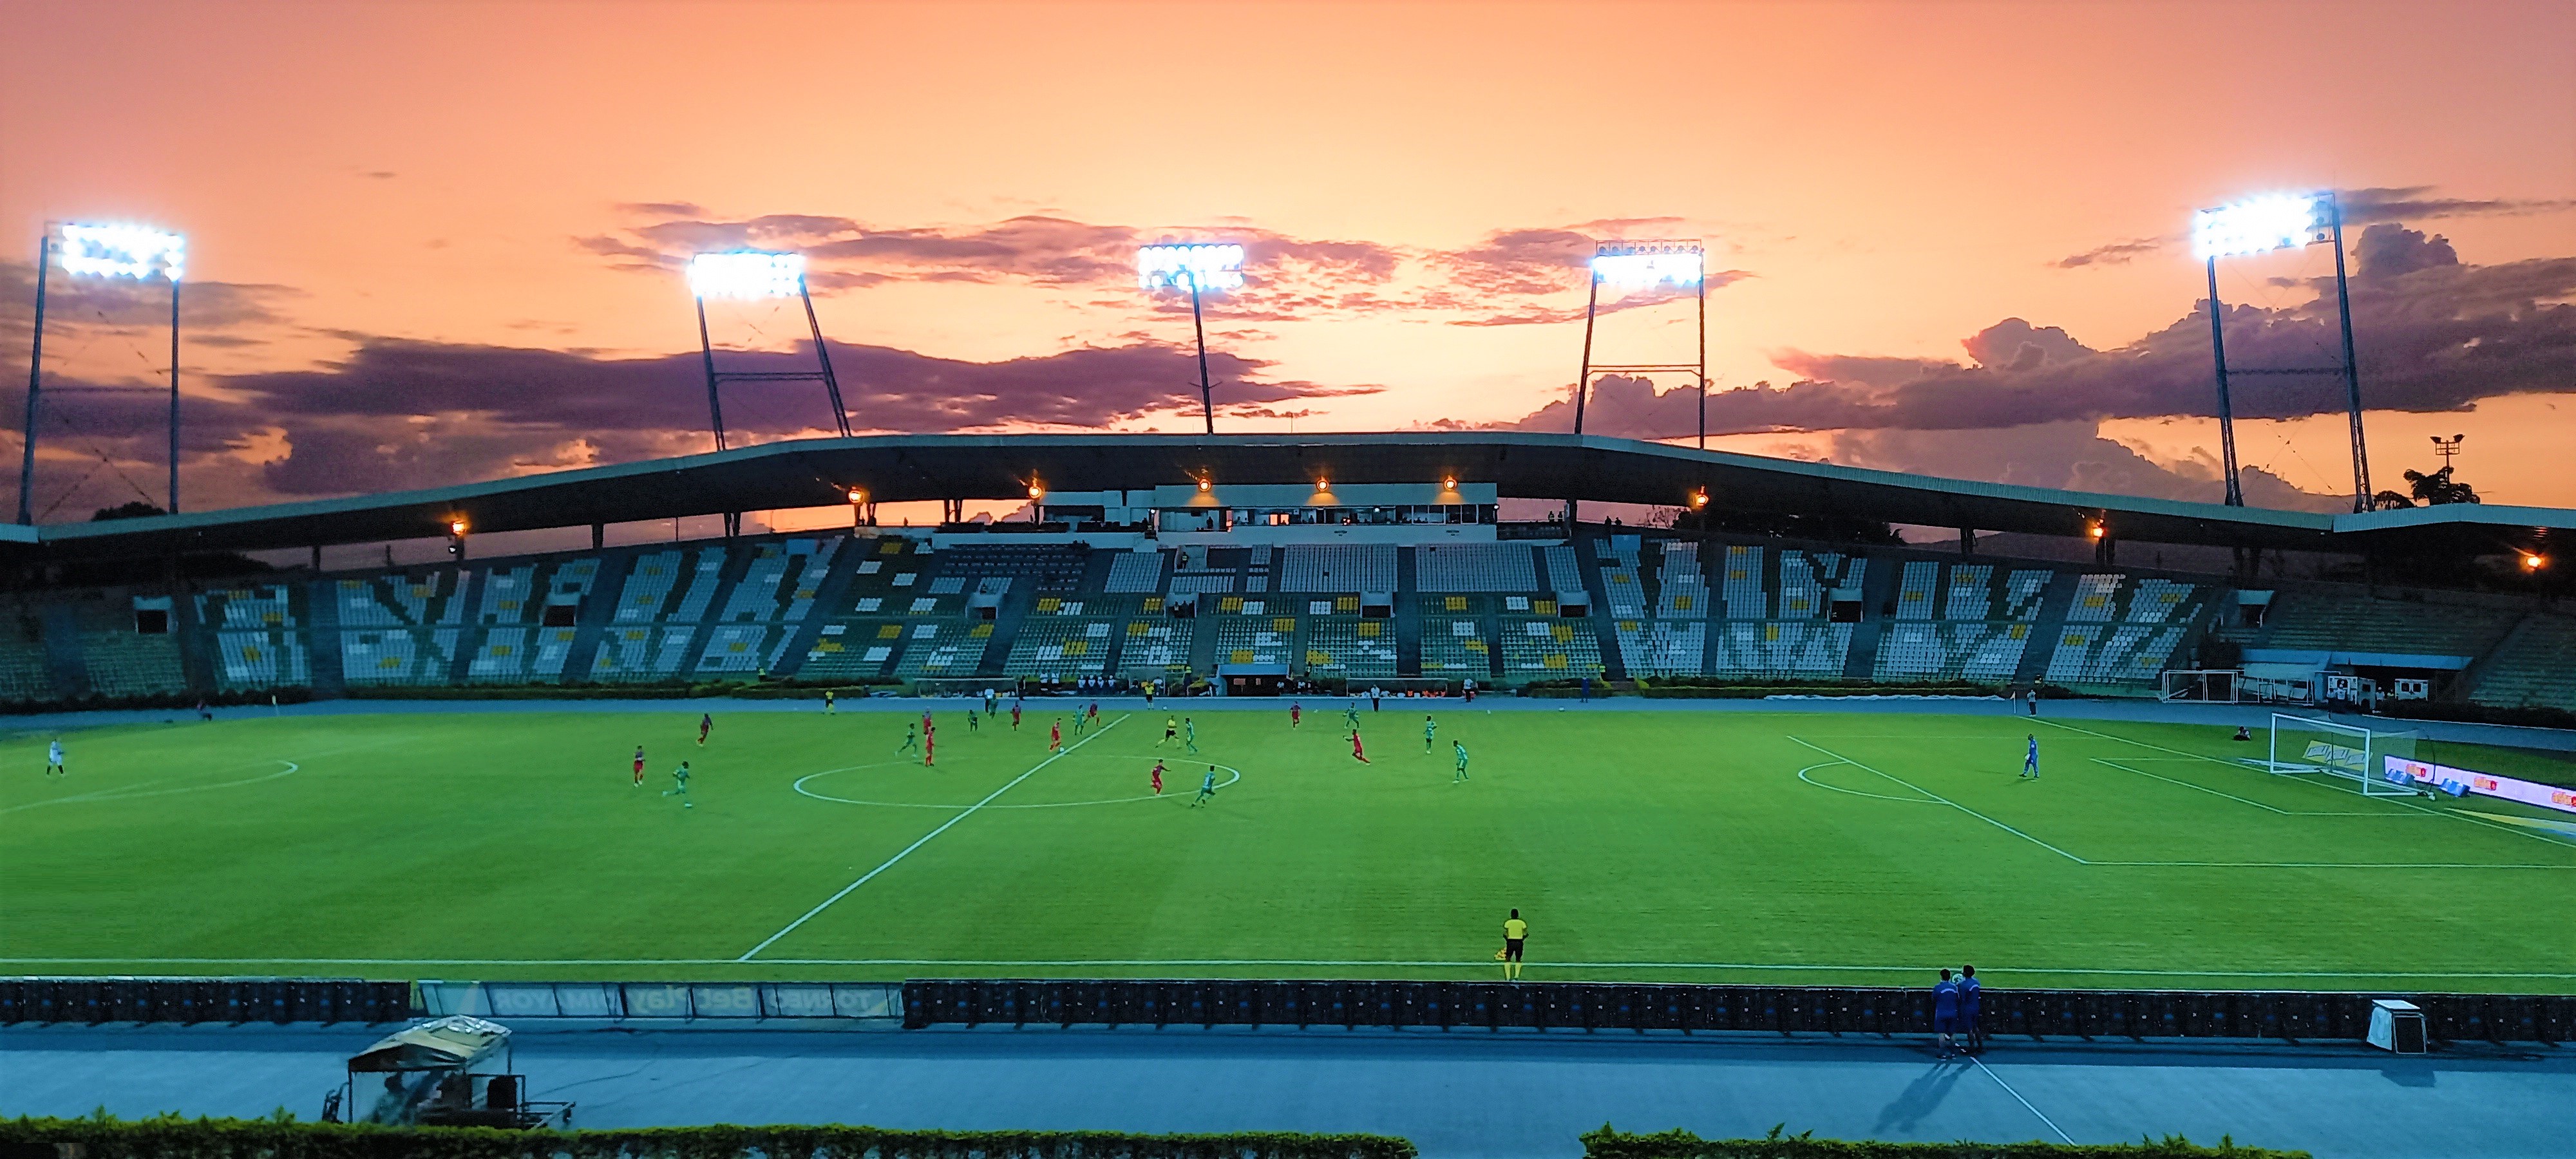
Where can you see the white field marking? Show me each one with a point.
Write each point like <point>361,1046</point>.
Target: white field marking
<point>944,826</point>
<point>2025,1103</point>
<point>2393,801</point>
<point>2244,800</point>
<point>799,786</point>
<point>137,792</point>
<point>1946,801</point>
<point>2174,864</point>
<point>1802,775</point>
<point>1214,962</point>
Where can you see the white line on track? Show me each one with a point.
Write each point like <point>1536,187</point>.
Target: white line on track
<point>1999,1081</point>
<point>1946,801</point>
<point>944,826</point>
<point>1234,962</point>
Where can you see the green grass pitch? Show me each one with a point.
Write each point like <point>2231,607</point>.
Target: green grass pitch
<point>1679,846</point>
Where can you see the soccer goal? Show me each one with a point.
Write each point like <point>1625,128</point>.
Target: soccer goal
<point>2305,746</point>
<point>2213,685</point>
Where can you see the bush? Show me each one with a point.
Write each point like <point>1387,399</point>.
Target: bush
<point>1610,1143</point>
<point>171,1137</point>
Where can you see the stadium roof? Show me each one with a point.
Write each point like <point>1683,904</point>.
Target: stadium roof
<point>899,468</point>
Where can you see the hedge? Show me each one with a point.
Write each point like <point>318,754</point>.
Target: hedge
<point>170,1137</point>
<point>1611,1143</point>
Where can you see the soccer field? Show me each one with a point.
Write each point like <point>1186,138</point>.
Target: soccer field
<point>1667,845</point>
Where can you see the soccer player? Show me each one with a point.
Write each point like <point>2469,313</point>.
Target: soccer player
<point>1149,694</point>
<point>2030,760</point>
<point>929,746</point>
<point>1055,736</point>
<point>1357,753</point>
<point>1190,734</point>
<point>974,723</point>
<point>54,759</point>
<point>1969,995</point>
<point>1296,715</point>
<point>706,724</point>
<point>1351,716</point>
<point>1515,933</point>
<point>680,786</point>
<point>911,741</point>
<point>1461,747</point>
<point>828,708</point>
<point>639,766</point>
<point>1015,716</point>
<point>1945,1014</point>
<point>1171,731</point>
<point>1095,714</point>
<point>1207,789</point>
<point>1428,727</point>
<point>1077,722</point>
<point>1158,778</point>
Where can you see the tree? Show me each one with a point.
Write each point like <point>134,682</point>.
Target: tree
<point>2430,490</point>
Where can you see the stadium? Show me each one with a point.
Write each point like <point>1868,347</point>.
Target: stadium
<point>1037,754</point>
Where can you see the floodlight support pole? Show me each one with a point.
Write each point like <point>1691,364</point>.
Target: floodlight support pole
<point>174,396</point>
<point>2226,408</point>
<point>1703,353</point>
<point>707,350</point>
<point>1198,326</point>
<point>822,354</point>
<point>2351,371</point>
<point>1582,382</point>
<point>35,373</point>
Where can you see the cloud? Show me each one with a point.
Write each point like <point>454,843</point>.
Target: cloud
<point>74,305</point>
<point>1507,278</point>
<point>2069,455</point>
<point>2360,207</point>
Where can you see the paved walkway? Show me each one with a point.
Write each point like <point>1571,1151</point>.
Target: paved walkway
<point>2225,715</point>
<point>1458,1094</point>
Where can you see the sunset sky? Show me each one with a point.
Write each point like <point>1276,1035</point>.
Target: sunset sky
<point>437,242</point>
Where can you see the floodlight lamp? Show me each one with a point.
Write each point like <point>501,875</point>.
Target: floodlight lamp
<point>456,527</point>
<point>1199,266</point>
<point>1449,482</point>
<point>1323,486</point>
<point>1037,491</point>
<point>2255,225</point>
<point>1645,264</point>
<point>1206,484</point>
<point>122,251</point>
<point>747,274</point>
<point>1699,498</point>
<point>858,495</point>
<point>2534,561</point>
<point>2094,531</point>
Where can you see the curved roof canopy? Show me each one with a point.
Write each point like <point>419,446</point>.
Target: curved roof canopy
<point>899,468</point>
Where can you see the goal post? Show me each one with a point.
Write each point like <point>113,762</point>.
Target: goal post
<point>2348,755</point>
<point>2209,685</point>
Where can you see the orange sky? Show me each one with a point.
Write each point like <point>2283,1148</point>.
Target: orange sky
<point>1891,178</point>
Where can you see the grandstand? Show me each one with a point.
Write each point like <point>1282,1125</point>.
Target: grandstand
<point>1396,583</point>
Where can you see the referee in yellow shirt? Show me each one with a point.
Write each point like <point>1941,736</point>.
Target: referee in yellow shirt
<point>1515,932</point>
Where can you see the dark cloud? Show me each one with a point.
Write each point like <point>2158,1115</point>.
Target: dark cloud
<point>2072,456</point>
<point>73,305</point>
<point>2361,207</point>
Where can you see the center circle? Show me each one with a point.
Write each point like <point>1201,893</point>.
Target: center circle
<point>801,789</point>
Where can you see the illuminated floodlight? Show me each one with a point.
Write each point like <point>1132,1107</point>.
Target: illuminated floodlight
<point>1640,265</point>
<point>1205,267</point>
<point>2259,224</point>
<point>123,251</point>
<point>747,274</point>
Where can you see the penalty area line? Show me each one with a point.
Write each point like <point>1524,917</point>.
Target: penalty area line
<point>944,826</point>
<point>1946,801</point>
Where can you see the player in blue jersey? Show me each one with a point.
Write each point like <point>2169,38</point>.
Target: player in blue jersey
<point>2030,760</point>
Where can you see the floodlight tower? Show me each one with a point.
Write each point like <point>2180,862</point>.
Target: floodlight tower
<point>1198,267</point>
<point>752,275</point>
<point>108,251</point>
<point>2260,225</point>
<point>1644,265</point>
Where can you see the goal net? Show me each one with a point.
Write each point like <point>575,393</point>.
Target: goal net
<point>2347,755</point>
<point>2217,685</point>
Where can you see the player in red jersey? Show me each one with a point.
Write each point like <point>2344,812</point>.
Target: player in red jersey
<point>1055,737</point>
<point>1296,714</point>
<point>639,766</point>
<point>1158,778</point>
<point>1015,716</point>
<point>1356,753</point>
<point>706,724</point>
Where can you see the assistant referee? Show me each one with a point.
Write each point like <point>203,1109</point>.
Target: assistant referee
<point>1515,932</point>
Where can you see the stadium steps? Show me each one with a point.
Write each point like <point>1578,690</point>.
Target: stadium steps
<point>1879,583</point>
<point>2535,665</point>
<point>737,561</point>
<point>1407,624</point>
<point>1007,621</point>
<point>1604,630</point>
<point>462,662</point>
<point>63,663</point>
<point>1203,637</point>
<point>322,642</point>
<point>2048,629</point>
